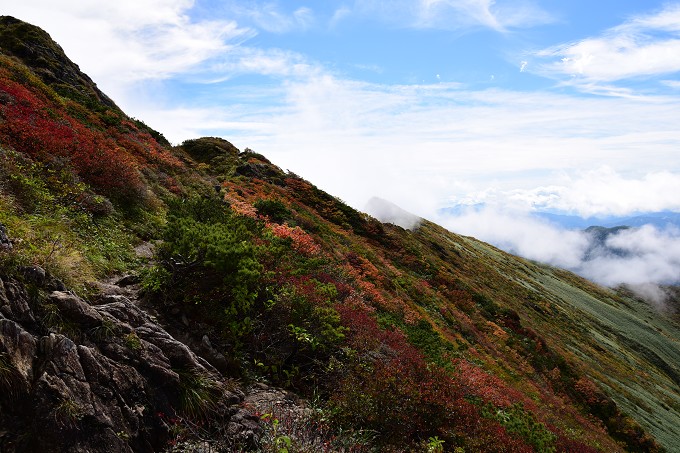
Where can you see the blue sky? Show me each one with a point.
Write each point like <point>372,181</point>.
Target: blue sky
<point>568,106</point>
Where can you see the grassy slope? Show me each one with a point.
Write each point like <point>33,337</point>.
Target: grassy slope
<point>632,349</point>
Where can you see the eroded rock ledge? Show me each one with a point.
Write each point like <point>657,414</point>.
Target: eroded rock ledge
<point>102,377</point>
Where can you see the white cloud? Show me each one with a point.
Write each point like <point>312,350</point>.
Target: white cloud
<point>388,212</point>
<point>675,84</point>
<point>408,143</point>
<point>646,255</point>
<point>606,192</point>
<point>667,19</point>
<point>251,60</point>
<point>518,233</point>
<point>644,46</point>
<point>123,42</point>
<point>438,13</point>
<point>598,192</point>
<point>650,292</point>
<point>183,123</point>
<point>339,15</point>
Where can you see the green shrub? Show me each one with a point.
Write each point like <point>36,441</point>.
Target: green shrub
<point>274,209</point>
<point>133,342</point>
<point>207,148</point>
<point>208,254</point>
<point>515,419</point>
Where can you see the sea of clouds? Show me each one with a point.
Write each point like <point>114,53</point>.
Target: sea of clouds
<point>642,258</point>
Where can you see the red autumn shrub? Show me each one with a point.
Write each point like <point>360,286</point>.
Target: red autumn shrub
<point>390,388</point>
<point>35,126</point>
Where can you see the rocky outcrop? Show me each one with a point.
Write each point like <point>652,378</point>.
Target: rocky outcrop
<point>102,378</point>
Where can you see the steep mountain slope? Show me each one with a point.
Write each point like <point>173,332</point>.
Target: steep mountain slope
<point>406,340</point>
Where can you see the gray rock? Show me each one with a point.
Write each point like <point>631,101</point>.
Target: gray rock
<point>4,300</point>
<point>34,274</point>
<point>122,309</point>
<point>127,280</point>
<point>179,354</point>
<point>97,391</point>
<point>76,309</point>
<point>5,242</point>
<point>20,349</point>
<point>205,341</point>
<point>14,303</point>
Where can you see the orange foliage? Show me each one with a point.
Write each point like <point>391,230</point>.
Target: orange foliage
<point>488,387</point>
<point>301,241</point>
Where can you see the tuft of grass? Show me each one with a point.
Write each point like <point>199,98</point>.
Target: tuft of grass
<point>50,316</point>
<point>199,393</point>
<point>68,414</point>
<point>10,379</point>
<point>133,342</point>
<point>106,330</point>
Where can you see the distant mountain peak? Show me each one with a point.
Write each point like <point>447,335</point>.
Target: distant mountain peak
<point>388,212</point>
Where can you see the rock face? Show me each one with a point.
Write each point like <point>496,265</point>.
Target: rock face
<point>100,378</point>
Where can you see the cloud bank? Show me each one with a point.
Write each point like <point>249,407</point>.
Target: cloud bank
<point>598,192</point>
<point>640,257</point>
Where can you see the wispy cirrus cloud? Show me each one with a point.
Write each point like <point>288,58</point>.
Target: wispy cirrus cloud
<point>270,16</point>
<point>642,47</point>
<point>498,15</point>
<point>275,63</point>
<point>339,15</point>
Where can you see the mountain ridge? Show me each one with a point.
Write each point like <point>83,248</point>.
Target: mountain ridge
<point>410,340</point>
<point>36,48</point>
